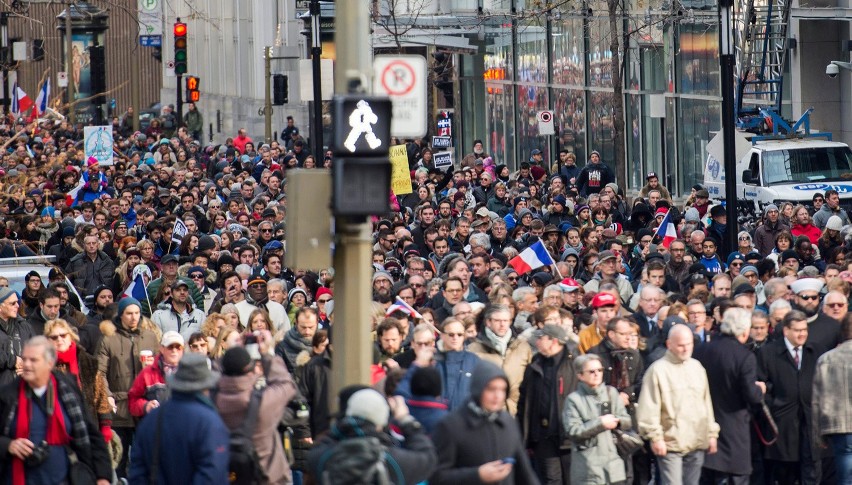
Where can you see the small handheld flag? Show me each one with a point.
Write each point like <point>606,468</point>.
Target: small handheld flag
<point>531,258</point>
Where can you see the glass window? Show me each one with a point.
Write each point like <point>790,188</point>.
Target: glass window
<point>600,125</point>
<point>532,95</point>
<point>807,165</point>
<point>698,57</point>
<point>500,105</point>
<point>569,108</point>
<point>696,120</point>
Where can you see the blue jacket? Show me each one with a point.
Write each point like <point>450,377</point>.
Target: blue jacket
<point>455,369</point>
<point>427,411</point>
<point>193,443</point>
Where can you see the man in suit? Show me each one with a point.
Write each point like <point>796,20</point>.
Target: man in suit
<point>732,373</point>
<point>787,366</point>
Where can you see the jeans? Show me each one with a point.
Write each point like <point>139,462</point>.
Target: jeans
<point>680,468</point>
<point>841,444</point>
<point>712,477</point>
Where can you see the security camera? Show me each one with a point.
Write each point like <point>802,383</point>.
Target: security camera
<point>832,70</point>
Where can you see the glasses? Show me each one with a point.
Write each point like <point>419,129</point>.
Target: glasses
<point>326,300</point>
<point>427,343</point>
<point>58,336</point>
<point>266,230</point>
<point>809,297</point>
<point>198,345</point>
<point>835,305</point>
<point>454,335</point>
<point>745,238</point>
<point>416,285</point>
<point>196,277</point>
<point>175,347</point>
<point>594,371</point>
<point>736,264</point>
<point>512,278</point>
<point>392,241</point>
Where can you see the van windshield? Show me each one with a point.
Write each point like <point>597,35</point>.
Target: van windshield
<point>807,165</point>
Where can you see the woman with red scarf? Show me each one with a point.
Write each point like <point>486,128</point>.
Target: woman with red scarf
<point>72,359</point>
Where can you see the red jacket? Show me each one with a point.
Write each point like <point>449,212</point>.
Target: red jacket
<point>809,230</point>
<point>150,384</point>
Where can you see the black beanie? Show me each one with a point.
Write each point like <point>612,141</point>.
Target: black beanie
<point>426,381</point>
<point>236,362</point>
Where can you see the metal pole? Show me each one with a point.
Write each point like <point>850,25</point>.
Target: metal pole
<point>4,43</point>
<point>352,345</point>
<point>316,51</point>
<point>69,65</point>
<point>726,60</point>
<point>179,103</point>
<point>267,105</point>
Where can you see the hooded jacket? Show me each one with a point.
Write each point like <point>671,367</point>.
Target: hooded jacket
<point>118,360</point>
<point>471,436</point>
<point>167,318</point>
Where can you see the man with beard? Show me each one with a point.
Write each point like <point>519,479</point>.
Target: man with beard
<point>382,283</point>
<point>418,283</point>
<point>389,337</point>
<point>426,216</point>
<point>298,338</point>
<point>66,308</point>
<point>168,275</point>
<point>48,309</point>
<point>823,331</point>
<point>469,160</point>
<point>178,313</point>
<point>677,267</point>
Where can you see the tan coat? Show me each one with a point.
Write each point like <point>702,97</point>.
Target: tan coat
<point>118,361</point>
<point>232,399</point>
<point>518,356</point>
<point>675,405</point>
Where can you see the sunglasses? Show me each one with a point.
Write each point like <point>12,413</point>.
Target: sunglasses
<point>58,336</point>
<point>809,297</point>
<point>325,300</point>
<point>594,371</point>
<point>266,230</point>
<point>196,277</point>
<point>453,335</point>
<point>835,305</point>
<point>175,347</point>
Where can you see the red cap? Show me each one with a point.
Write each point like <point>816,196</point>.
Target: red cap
<point>662,211</point>
<point>603,299</point>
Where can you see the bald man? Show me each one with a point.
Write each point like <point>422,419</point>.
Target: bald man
<point>675,412</point>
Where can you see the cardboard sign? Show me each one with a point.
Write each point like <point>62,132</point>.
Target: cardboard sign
<point>400,176</point>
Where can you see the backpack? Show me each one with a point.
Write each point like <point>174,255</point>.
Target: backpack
<point>244,464</point>
<point>358,460</point>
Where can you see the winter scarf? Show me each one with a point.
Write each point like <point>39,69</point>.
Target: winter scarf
<point>57,435</point>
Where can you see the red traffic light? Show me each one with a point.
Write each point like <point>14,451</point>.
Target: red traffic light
<point>180,29</point>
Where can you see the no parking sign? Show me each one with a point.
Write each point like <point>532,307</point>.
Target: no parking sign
<point>545,123</point>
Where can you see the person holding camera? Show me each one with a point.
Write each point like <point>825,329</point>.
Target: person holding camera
<point>43,421</point>
<point>243,370</point>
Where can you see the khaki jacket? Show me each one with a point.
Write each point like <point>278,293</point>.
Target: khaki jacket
<point>675,405</point>
<point>518,356</point>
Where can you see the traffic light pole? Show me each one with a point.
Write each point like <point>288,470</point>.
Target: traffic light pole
<point>69,66</point>
<point>179,104</point>
<point>316,52</point>
<point>267,105</point>
<point>352,345</point>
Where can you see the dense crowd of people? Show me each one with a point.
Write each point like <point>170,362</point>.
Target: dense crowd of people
<point>169,335</point>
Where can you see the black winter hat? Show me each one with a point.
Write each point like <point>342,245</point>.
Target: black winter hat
<point>236,362</point>
<point>426,381</point>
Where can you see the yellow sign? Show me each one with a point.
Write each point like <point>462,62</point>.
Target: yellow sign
<point>400,176</point>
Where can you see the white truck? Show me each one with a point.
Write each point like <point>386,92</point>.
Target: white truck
<point>783,168</point>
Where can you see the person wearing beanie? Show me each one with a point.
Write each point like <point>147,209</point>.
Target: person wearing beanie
<point>366,414</point>
<point>425,402</point>
<point>594,176</point>
<point>831,207</point>
<point>118,354</point>
<point>475,440</point>
<point>14,331</point>
<point>64,249</point>
<point>764,236</point>
<point>240,376</point>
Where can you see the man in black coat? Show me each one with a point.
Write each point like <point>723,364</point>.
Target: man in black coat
<point>480,442</point>
<point>823,330</point>
<point>548,381</point>
<point>732,374</point>
<point>14,332</point>
<point>787,366</point>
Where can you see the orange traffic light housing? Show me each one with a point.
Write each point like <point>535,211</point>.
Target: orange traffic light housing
<point>181,61</point>
<point>193,84</point>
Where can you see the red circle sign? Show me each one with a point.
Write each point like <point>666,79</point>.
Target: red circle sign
<point>398,78</point>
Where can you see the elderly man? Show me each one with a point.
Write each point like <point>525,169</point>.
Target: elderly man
<point>53,421</point>
<point>732,374</point>
<point>650,301</point>
<point>835,305</point>
<point>526,304</point>
<point>823,330</point>
<point>675,412</point>
<point>92,268</point>
<point>607,268</point>
<point>499,345</point>
<point>149,388</point>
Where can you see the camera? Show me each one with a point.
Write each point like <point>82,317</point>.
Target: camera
<point>832,70</point>
<point>38,456</point>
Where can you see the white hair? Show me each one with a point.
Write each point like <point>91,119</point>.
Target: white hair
<point>736,321</point>
<point>780,305</point>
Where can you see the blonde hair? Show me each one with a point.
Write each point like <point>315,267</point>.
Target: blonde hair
<point>208,328</point>
<point>224,333</point>
<point>51,325</point>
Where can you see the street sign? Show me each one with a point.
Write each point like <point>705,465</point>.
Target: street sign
<point>403,80</point>
<point>545,123</point>
<point>151,40</point>
<point>170,68</point>
<point>443,159</point>
<point>62,79</point>
<point>442,142</point>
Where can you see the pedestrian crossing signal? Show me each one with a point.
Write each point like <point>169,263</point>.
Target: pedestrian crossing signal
<point>193,93</point>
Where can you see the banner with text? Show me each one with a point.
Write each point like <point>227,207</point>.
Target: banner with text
<point>400,176</point>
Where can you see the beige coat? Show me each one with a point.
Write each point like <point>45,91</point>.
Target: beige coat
<point>232,399</point>
<point>675,405</point>
<point>518,356</point>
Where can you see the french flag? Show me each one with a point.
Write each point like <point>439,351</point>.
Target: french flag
<point>136,289</point>
<point>43,95</point>
<point>20,101</point>
<point>531,258</point>
<point>666,231</point>
<point>402,306</point>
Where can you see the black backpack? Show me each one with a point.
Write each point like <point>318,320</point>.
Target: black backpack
<point>244,465</point>
<point>358,460</point>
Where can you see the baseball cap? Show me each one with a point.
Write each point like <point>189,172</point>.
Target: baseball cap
<point>602,300</point>
<point>170,338</point>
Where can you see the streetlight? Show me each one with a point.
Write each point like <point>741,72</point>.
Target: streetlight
<point>726,64</point>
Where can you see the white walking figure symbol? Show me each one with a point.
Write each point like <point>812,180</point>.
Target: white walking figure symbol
<point>361,121</point>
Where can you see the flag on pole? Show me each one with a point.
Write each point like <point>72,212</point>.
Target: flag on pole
<point>179,231</point>
<point>20,101</point>
<point>401,306</point>
<point>531,258</point>
<point>666,230</point>
<point>43,96</point>
<point>136,289</point>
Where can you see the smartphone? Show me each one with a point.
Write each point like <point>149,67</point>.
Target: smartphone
<point>252,346</point>
<point>508,461</point>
